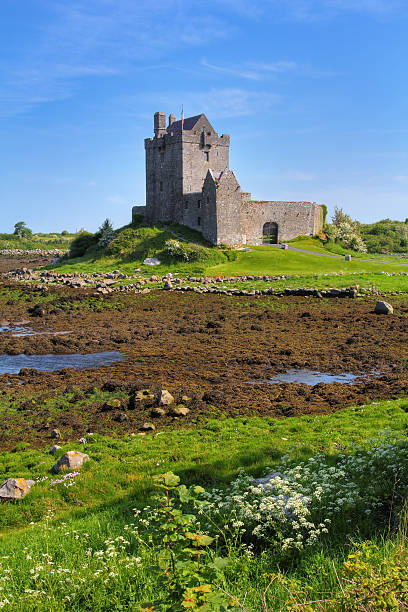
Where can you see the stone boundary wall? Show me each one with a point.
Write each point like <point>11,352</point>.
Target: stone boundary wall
<point>293,219</point>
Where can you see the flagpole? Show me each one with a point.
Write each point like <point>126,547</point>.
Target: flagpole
<point>182,117</point>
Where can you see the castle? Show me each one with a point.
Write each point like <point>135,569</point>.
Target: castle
<point>188,181</point>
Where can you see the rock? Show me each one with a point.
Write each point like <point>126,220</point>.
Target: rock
<point>179,410</point>
<point>38,310</point>
<point>121,417</point>
<point>158,412</point>
<point>55,434</point>
<point>111,405</point>
<point>167,285</point>
<point>165,398</point>
<point>152,261</point>
<point>185,398</point>
<point>54,449</point>
<point>148,427</point>
<point>347,258</point>
<point>383,308</point>
<point>144,394</point>
<point>71,460</point>
<point>15,488</point>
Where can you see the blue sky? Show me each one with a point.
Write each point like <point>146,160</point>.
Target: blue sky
<point>312,92</point>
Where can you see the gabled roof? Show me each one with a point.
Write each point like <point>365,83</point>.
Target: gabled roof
<point>189,123</point>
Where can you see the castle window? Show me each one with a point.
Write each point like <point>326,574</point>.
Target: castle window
<point>206,156</point>
<point>186,205</point>
<point>208,133</point>
<point>208,199</point>
<point>161,185</point>
<point>199,204</point>
<point>198,220</point>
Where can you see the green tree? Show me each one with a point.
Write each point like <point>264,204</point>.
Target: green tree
<point>105,233</point>
<point>20,229</point>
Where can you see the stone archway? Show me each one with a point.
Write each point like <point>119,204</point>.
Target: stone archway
<point>270,233</point>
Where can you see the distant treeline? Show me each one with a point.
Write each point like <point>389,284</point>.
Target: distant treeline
<point>385,236</point>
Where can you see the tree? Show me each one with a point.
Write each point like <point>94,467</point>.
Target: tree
<point>20,229</point>
<point>343,229</point>
<point>105,233</point>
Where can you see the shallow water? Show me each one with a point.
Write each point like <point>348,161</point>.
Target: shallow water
<point>12,364</point>
<point>16,329</point>
<point>21,329</point>
<point>307,377</point>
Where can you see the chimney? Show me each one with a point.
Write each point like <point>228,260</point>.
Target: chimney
<point>159,124</point>
<point>172,119</point>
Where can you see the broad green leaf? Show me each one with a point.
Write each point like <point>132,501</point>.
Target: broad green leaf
<point>199,539</point>
<point>183,493</point>
<point>170,479</point>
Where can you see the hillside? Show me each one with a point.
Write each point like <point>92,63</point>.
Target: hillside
<point>185,252</point>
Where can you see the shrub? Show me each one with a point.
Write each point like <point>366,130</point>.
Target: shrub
<point>343,229</point>
<point>298,504</point>
<point>193,253</point>
<point>81,244</point>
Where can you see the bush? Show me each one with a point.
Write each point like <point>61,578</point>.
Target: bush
<point>299,504</point>
<point>192,253</point>
<point>81,244</point>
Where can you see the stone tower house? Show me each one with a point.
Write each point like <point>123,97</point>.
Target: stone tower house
<point>188,181</point>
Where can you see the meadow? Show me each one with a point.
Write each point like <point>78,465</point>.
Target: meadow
<point>84,540</point>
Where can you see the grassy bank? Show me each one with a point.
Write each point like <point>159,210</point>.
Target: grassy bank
<point>68,547</point>
<point>128,254</point>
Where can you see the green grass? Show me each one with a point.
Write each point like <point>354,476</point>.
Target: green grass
<point>260,260</point>
<point>123,466</point>
<point>316,245</point>
<point>37,241</point>
<point>61,524</point>
<point>275,261</point>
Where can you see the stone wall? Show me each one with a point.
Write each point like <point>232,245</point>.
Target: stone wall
<point>293,219</point>
<point>164,171</point>
<point>138,210</point>
<point>229,209</point>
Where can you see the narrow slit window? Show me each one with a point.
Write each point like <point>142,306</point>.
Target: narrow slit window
<point>206,156</point>
<point>161,185</point>
<point>198,220</point>
<point>186,205</point>
<point>199,204</point>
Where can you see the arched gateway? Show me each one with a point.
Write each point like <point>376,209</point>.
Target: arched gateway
<point>270,233</point>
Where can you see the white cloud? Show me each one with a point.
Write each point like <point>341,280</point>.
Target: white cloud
<point>97,38</point>
<point>215,103</point>
<point>252,70</point>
